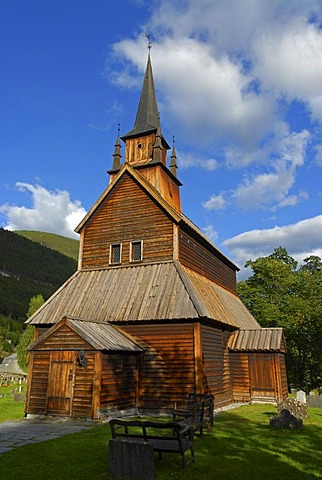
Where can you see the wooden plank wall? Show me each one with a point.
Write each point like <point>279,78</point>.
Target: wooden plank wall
<point>119,382</point>
<point>283,373</point>
<point>239,368</point>
<point>64,339</point>
<point>83,388</point>
<point>128,214</point>
<point>196,256</point>
<point>216,371</point>
<point>38,383</point>
<point>263,376</point>
<point>167,374</point>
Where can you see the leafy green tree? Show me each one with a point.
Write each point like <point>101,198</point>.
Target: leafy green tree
<point>281,295</point>
<point>28,336</point>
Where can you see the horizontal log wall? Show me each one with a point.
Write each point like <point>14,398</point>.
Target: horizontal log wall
<point>119,381</point>
<point>83,388</point>
<point>196,256</point>
<point>167,374</point>
<point>216,372</point>
<point>38,383</point>
<point>127,214</point>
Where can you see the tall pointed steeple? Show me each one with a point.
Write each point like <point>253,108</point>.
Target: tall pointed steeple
<point>146,148</point>
<point>146,120</point>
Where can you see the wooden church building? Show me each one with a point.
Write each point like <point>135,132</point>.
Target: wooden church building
<point>152,312</point>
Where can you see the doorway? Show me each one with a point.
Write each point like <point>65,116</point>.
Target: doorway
<point>61,383</point>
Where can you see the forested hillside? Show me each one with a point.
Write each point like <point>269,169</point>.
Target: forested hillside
<point>28,269</point>
<point>66,246</point>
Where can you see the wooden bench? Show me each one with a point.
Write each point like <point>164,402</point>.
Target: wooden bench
<point>199,412</point>
<point>165,437</point>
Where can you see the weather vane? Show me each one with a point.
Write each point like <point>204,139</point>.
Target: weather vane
<point>148,36</point>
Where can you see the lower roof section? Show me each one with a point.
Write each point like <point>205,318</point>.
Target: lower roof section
<point>100,336</point>
<point>157,292</point>
<point>261,340</point>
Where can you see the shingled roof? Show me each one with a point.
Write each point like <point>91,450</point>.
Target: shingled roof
<point>261,340</point>
<point>100,336</point>
<point>155,292</point>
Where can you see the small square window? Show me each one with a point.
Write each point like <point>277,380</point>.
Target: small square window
<point>115,253</point>
<point>136,251</point>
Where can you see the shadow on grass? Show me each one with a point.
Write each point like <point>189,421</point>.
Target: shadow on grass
<point>241,446</point>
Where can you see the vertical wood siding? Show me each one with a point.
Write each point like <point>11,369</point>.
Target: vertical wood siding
<point>194,255</point>
<point>263,378</point>
<point>216,371</point>
<point>127,214</point>
<point>240,376</point>
<point>119,381</point>
<point>165,185</point>
<point>167,373</point>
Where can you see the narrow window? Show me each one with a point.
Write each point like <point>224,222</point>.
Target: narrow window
<point>136,251</point>
<point>115,253</point>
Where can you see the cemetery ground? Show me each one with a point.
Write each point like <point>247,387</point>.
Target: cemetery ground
<point>241,446</point>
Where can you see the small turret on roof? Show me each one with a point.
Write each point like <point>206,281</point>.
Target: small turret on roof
<point>117,155</point>
<point>173,162</point>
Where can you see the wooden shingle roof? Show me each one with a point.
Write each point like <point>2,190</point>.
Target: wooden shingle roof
<point>156,292</point>
<point>100,336</point>
<point>261,340</point>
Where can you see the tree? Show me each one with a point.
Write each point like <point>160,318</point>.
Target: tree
<point>281,295</point>
<point>28,335</point>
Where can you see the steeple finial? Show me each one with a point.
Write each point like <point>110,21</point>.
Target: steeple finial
<point>148,36</point>
<point>117,155</point>
<point>173,163</point>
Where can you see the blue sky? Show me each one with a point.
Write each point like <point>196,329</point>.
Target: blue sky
<point>239,85</point>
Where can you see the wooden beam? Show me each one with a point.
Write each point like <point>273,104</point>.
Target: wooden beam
<point>198,358</point>
<point>97,376</point>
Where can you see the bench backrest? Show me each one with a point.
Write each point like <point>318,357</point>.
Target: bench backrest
<point>144,429</point>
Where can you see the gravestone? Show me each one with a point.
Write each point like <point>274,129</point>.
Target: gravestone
<point>296,408</point>
<point>314,401</point>
<point>131,459</point>
<point>286,420</point>
<point>301,396</point>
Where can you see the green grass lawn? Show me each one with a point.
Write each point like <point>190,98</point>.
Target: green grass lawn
<point>241,446</point>
<point>9,408</point>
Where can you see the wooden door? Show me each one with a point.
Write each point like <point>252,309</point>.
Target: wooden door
<point>262,376</point>
<point>60,383</point>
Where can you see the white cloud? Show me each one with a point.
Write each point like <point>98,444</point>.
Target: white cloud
<point>271,189</point>
<point>209,94</point>
<point>211,233</point>
<point>301,239</point>
<point>289,60</point>
<point>51,211</point>
<point>318,155</point>
<point>215,202</point>
<point>186,160</point>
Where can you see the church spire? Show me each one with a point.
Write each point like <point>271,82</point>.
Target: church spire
<point>147,117</point>
<point>147,114</point>
<point>117,155</point>
<point>173,158</point>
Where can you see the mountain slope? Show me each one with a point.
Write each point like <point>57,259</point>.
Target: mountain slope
<point>28,269</point>
<point>65,246</point>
